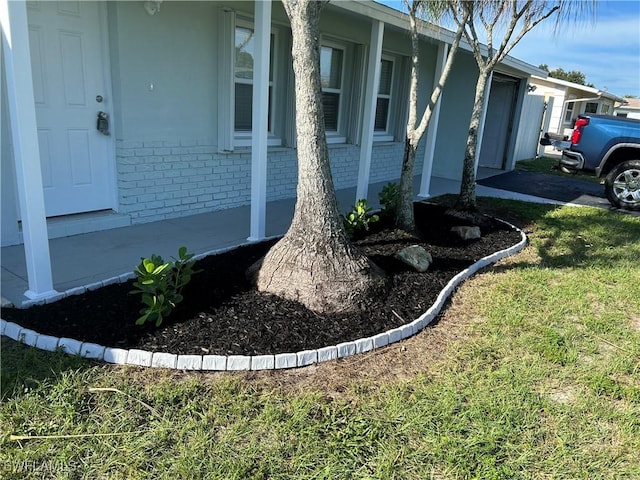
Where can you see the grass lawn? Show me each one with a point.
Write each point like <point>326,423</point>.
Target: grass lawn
<point>548,164</point>
<point>532,372</point>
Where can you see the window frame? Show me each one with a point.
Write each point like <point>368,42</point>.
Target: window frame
<point>337,136</point>
<point>569,111</point>
<point>387,134</point>
<point>586,105</point>
<point>243,138</point>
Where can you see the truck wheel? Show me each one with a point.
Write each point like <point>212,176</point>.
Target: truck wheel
<point>622,185</point>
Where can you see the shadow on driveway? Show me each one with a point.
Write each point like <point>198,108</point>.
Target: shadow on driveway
<point>553,187</point>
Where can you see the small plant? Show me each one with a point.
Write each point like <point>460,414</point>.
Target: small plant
<point>359,218</point>
<point>389,197</point>
<point>160,283</point>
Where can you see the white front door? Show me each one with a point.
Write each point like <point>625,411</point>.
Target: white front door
<point>67,46</point>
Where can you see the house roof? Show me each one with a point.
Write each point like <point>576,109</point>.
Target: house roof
<point>630,104</point>
<point>587,91</point>
<point>400,20</point>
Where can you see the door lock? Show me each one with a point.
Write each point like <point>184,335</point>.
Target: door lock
<point>103,123</point>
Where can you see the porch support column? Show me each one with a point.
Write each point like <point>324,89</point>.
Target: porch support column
<point>432,129</point>
<point>24,132</point>
<point>370,100</point>
<point>259,125</point>
<point>487,92</point>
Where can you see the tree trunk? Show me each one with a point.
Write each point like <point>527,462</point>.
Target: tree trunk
<point>405,219</point>
<point>467,198</point>
<point>314,263</point>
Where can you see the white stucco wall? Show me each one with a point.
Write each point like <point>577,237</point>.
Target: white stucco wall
<point>455,114</point>
<point>166,70</point>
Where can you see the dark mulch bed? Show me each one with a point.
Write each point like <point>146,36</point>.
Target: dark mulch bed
<point>222,314</point>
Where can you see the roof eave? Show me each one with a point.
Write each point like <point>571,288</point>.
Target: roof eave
<point>398,19</point>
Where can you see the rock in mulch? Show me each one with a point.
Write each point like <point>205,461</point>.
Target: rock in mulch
<point>466,233</point>
<point>415,257</point>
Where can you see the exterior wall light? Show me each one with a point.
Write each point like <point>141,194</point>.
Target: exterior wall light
<point>152,6</point>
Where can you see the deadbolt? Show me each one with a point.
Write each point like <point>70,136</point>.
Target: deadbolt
<point>99,98</point>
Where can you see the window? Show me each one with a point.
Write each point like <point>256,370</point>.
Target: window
<point>383,102</point>
<point>605,109</point>
<point>243,80</point>
<point>568,114</point>
<point>331,59</point>
<point>623,115</point>
<point>591,107</point>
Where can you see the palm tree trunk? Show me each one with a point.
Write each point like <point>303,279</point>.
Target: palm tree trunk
<point>314,263</point>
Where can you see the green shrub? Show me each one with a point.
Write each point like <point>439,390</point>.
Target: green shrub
<point>389,197</point>
<point>160,283</point>
<point>359,218</point>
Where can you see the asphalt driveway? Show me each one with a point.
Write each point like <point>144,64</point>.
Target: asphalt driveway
<point>553,187</point>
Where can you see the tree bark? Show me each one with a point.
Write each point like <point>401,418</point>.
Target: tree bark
<point>314,263</point>
<point>405,219</point>
<point>513,16</point>
<point>467,198</point>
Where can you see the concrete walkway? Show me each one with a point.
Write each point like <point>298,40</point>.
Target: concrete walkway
<point>91,258</point>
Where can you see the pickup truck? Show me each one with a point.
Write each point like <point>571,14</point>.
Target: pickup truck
<point>610,148</point>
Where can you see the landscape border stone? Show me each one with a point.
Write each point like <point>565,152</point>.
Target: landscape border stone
<point>241,362</point>
<point>92,350</point>
<point>189,362</point>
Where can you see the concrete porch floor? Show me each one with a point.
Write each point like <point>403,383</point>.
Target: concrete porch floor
<point>90,258</point>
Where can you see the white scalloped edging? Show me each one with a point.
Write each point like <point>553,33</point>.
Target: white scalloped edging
<point>243,362</point>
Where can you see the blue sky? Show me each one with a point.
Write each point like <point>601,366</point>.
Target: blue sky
<point>606,50</point>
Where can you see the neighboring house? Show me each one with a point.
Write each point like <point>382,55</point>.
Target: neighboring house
<point>566,100</point>
<point>175,81</point>
<point>630,108</point>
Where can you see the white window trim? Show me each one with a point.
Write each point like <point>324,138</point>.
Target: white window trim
<point>338,135</point>
<point>226,45</point>
<point>568,110</point>
<point>387,135</point>
<point>243,138</point>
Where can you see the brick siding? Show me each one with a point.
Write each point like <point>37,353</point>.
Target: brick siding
<point>167,179</point>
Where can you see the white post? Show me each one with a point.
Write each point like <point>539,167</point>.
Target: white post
<point>546,121</point>
<point>432,129</point>
<point>24,131</point>
<point>487,93</point>
<point>259,125</point>
<point>370,96</point>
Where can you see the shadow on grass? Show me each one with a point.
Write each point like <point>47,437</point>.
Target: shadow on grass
<point>23,368</point>
<point>570,237</point>
<point>566,237</point>
<point>589,239</point>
